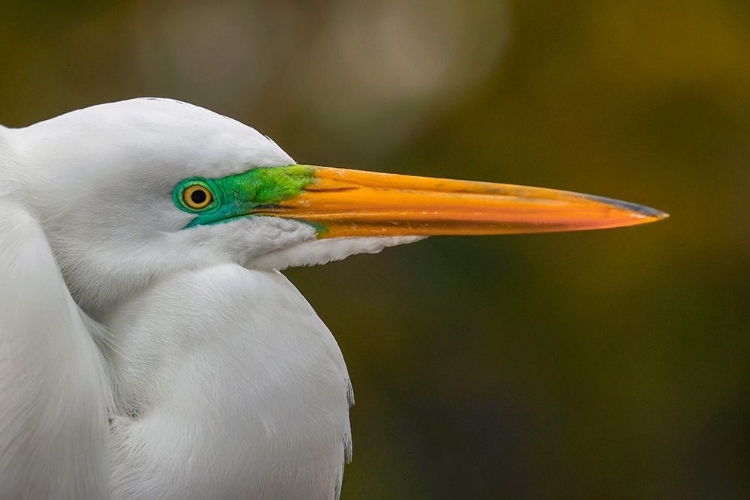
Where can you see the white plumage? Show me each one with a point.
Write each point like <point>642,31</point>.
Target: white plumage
<point>219,379</point>
<point>149,353</point>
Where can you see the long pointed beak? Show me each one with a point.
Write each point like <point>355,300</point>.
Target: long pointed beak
<point>343,202</point>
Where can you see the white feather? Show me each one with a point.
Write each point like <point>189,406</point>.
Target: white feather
<point>317,252</point>
<point>230,387</point>
<point>53,422</point>
<point>221,381</point>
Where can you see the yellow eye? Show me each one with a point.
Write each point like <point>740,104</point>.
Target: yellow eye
<point>197,197</point>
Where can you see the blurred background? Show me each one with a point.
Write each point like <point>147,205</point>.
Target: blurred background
<point>608,364</point>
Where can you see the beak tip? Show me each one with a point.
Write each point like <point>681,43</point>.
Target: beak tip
<point>639,211</point>
<point>648,214</point>
<point>652,213</point>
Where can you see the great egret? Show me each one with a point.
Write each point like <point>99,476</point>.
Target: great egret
<point>150,347</point>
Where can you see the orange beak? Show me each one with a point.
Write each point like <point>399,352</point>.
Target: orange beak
<point>343,202</point>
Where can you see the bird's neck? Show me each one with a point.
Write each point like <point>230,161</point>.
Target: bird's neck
<point>242,362</point>
<point>253,322</point>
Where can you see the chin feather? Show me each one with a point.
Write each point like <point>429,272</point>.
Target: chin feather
<point>311,253</point>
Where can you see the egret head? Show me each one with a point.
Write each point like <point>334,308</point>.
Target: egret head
<point>129,192</point>
<point>113,186</point>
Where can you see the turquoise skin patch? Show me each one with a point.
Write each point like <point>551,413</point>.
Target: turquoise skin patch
<point>238,195</point>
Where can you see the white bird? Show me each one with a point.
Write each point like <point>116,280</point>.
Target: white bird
<point>149,346</point>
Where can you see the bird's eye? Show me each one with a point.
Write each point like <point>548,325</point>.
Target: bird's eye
<point>197,197</point>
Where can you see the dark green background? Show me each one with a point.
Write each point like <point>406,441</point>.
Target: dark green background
<point>608,364</point>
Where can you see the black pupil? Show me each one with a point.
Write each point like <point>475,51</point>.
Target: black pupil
<point>198,196</point>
